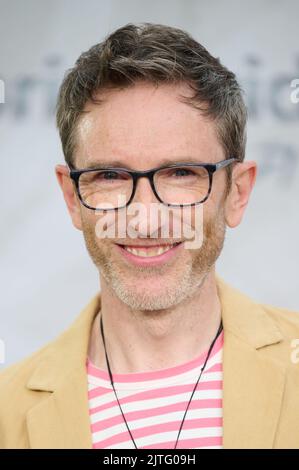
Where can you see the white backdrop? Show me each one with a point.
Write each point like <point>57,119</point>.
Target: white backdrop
<point>46,276</point>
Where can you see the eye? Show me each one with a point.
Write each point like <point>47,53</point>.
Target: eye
<point>109,175</point>
<point>106,176</point>
<point>183,172</point>
<point>180,173</point>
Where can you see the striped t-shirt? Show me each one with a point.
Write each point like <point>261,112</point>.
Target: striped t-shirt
<point>154,404</point>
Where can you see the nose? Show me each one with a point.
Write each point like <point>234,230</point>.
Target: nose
<point>146,204</point>
<point>144,193</point>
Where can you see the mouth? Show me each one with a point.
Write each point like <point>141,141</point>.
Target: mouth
<point>148,255</point>
<point>148,250</point>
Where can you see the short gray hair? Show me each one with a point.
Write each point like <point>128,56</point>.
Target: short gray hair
<point>157,54</point>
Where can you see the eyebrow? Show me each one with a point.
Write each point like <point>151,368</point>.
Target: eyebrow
<point>119,164</point>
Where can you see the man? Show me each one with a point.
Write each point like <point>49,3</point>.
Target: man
<point>167,355</point>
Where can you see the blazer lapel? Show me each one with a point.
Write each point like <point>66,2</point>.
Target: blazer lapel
<point>253,382</point>
<point>252,394</point>
<point>60,419</point>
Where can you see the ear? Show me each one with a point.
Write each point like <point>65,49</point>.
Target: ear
<point>69,194</point>
<point>243,179</point>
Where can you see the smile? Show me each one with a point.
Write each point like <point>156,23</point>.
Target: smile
<point>148,255</point>
<point>149,250</point>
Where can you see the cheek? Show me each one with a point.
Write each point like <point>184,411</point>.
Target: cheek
<point>110,226</point>
<point>209,223</point>
<point>203,217</point>
<point>89,225</point>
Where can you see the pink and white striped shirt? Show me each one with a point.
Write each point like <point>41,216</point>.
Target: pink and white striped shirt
<point>154,404</point>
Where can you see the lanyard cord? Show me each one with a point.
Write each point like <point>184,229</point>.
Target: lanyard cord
<point>201,371</point>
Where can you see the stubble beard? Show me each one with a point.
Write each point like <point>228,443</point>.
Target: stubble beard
<point>182,283</point>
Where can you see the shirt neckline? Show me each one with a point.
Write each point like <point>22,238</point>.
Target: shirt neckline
<point>158,374</point>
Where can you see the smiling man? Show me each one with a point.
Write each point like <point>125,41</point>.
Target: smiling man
<point>167,355</point>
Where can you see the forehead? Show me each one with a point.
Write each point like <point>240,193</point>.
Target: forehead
<point>142,125</point>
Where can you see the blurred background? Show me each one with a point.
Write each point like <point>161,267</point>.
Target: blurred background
<point>46,276</point>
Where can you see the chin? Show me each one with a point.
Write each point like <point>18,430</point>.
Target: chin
<point>155,293</point>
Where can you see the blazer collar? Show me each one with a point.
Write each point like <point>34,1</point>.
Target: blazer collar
<point>246,319</point>
<point>252,382</point>
<point>61,420</point>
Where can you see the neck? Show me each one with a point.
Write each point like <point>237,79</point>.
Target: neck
<point>138,341</point>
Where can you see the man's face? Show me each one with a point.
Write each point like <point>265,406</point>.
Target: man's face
<point>141,127</point>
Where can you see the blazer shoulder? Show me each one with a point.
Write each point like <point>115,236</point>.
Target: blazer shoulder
<point>16,400</point>
<point>15,376</point>
<point>287,320</point>
<point>63,347</point>
<point>30,381</point>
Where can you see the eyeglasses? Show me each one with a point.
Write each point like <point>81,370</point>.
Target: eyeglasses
<point>178,185</point>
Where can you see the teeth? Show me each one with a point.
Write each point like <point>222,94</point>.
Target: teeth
<point>156,251</point>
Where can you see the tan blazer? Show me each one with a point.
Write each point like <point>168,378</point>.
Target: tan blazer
<point>44,403</point>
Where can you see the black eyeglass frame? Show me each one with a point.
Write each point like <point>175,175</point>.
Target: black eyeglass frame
<point>149,174</point>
